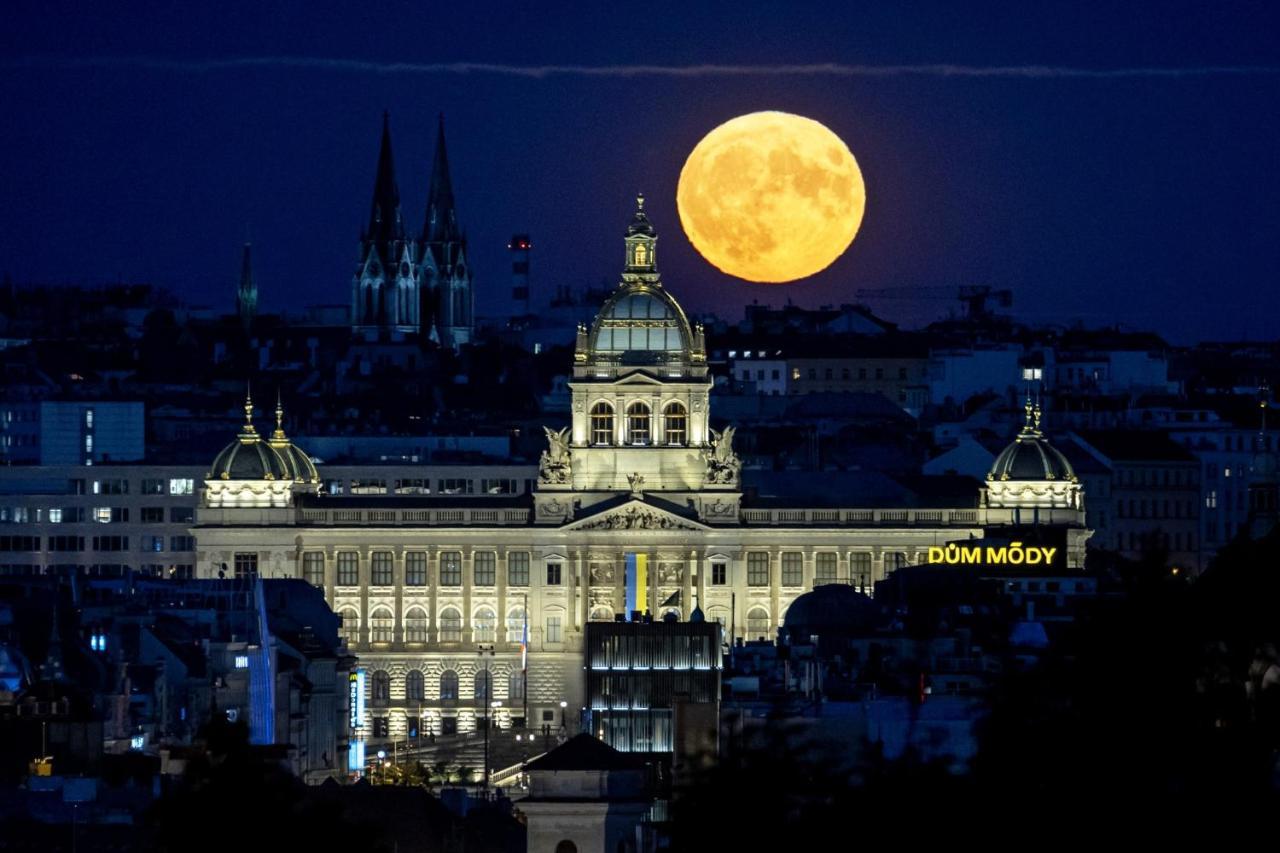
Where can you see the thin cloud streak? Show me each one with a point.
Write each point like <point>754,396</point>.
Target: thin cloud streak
<point>540,72</point>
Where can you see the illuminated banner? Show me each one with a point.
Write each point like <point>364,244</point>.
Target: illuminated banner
<point>637,583</point>
<point>355,711</point>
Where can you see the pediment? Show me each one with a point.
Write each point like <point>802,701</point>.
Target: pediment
<point>635,514</point>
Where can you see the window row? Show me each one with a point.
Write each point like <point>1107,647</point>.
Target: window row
<point>415,687</point>
<point>639,428</point>
<point>416,625</point>
<point>484,568</point>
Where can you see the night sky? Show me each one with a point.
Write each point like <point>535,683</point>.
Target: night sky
<point>131,151</point>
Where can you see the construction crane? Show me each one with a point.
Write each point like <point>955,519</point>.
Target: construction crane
<point>979,300</point>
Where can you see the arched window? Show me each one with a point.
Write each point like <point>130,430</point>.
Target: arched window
<point>721,615</point>
<point>566,846</point>
<point>450,625</point>
<point>758,623</point>
<point>381,687</point>
<point>382,624</point>
<point>415,625</point>
<point>675,424</point>
<point>449,686</point>
<point>486,625</point>
<point>483,686</point>
<point>515,625</point>
<point>602,424</point>
<point>350,630</point>
<point>638,424</point>
<point>601,614</point>
<point>414,685</point>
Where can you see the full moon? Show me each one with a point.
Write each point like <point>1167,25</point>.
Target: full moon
<point>771,197</point>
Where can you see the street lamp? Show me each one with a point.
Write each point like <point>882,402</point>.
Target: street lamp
<point>382,765</point>
<point>563,724</point>
<point>486,649</point>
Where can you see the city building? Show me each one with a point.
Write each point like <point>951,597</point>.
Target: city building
<point>466,608</point>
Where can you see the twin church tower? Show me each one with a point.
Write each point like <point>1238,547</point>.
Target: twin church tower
<point>406,284</point>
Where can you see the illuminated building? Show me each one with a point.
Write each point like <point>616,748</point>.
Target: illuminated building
<point>640,493</point>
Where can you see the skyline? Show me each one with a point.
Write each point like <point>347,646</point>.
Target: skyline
<point>1051,169</point>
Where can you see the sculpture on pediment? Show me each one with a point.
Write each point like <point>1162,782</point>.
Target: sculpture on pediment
<point>555,466</point>
<point>669,572</point>
<point>635,518</point>
<point>723,465</point>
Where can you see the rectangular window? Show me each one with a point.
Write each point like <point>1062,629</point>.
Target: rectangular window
<point>66,543</point>
<point>153,515</point>
<point>111,514</point>
<point>348,568</point>
<point>415,568</point>
<point>824,569</point>
<point>75,487</point>
<point>486,568</point>
<point>21,543</point>
<point>553,574</point>
<point>719,574</point>
<point>313,568</point>
<point>380,571</point>
<point>182,486</point>
<point>182,514</point>
<point>368,486</point>
<point>499,487</point>
<point>246,565</point>
<point>182,543</point>
<point>792,568</point>
<point>413,487</point>
<point>455,487</point>
<point>860,571</point>
<point>518,568</point>
<point>153,543</point>
<point>758,568</point>
<point>553,629</point>
<point>111,487</point>
<point>451,568</point>
<point>111,543</point>
<point>152,487</point>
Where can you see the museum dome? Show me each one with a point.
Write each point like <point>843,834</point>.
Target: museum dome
<point>249,457</point>
<point>1030,456</point>
<point>641,322</point>
<point>297,461</point>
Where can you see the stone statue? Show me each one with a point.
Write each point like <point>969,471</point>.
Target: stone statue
<point>723,465</point>
<point>554,466</point>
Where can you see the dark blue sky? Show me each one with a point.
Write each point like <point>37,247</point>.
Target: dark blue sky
<point>1148,200</point>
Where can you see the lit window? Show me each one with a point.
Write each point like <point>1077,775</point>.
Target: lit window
<point>602,424</point>
<point>486,626</point>
<point>242,661</point>
<point>638,424</point>
<point>182,486</point>
<point>675,424</point>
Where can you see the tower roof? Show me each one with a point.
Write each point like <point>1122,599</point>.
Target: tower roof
<point>385,223</point>
<point>640,224</point>
<point>441,224</point>
<point>297,461</point>
<point>246,270</point>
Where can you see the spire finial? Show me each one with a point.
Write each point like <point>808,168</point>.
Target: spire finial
<point>248,433</point>
<point>639,201</point>
<point>278,436</point>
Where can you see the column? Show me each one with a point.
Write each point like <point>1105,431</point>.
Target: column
<point>433,586</point>
<point>775,587</point>
<point>686,583</point>
<point>467,558</point>
<point>500,587</point>
<point>397,580</point>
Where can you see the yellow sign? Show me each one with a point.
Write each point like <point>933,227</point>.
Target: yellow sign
<point>1013,554</point>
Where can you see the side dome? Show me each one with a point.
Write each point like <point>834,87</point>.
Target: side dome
<point>249,460</point>
<point>249,457</point>
<point>1030,456</point>
<point>298,462</point>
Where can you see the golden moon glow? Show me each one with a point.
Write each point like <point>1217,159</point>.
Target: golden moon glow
<point>771,197</point>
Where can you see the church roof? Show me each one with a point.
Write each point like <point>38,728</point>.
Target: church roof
<point>441,225</point>
<point>385,223</point>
